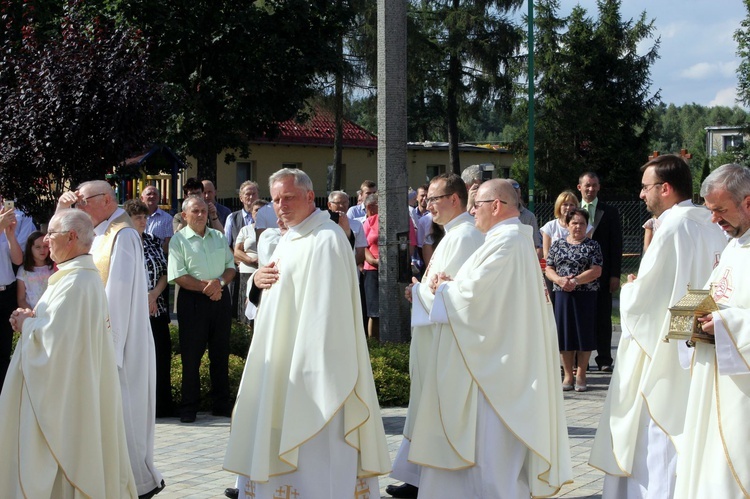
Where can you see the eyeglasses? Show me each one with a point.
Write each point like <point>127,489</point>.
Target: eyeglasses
<point>647,187</point>
<point>85,201</point>
<point>433,199</point>
<point>479,202</point>
<point>51,233</point>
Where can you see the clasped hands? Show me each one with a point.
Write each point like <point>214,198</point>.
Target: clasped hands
<point>213,289</point>
<point>568,284</point>
<point>18,316</point>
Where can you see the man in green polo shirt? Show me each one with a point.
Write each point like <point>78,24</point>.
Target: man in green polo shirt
<point>201,263</point>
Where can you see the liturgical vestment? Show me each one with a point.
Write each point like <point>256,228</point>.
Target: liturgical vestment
<point>648,391</point>
<point>459,243</point>
<point>118,254</point>
<point>714,460</point>
<point>61,422</point>
<point>308,374</point>
<point>496,368</point>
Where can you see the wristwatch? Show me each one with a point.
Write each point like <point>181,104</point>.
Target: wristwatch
<point>221,281</point>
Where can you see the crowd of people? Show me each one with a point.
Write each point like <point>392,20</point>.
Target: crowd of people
<point>91,369</point>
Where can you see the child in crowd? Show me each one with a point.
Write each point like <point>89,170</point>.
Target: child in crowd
<point>34,273</point>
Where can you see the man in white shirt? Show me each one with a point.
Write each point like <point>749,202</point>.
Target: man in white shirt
<point>358,212</point>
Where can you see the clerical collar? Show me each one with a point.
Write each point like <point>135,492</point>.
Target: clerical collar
<point>507,221</point>
<point>296,228</point>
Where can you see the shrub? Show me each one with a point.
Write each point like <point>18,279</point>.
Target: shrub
<point>236,366</point>
<point>390,368</point>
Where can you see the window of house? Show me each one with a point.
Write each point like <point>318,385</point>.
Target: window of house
<point>245,171</point>
<point>732,141</point>
<point>433,171</point>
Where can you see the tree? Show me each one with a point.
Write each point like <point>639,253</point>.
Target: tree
<point>742,37</point>
<point>234,69</point>
<point>593,95</point>
<point>74,102</point>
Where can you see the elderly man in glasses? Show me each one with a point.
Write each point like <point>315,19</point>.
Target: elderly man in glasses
<point>490,422</point>
<point>118,252</point>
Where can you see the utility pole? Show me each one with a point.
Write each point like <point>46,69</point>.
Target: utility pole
<point>531,104</point>
<point>392,177</point>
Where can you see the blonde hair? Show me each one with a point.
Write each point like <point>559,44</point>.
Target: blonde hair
<point>566,195</point>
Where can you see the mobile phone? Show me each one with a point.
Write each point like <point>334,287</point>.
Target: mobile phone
<point>334,215</point>
<point>9,204</point>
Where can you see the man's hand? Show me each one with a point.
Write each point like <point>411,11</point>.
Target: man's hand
<point>707,324</point>
<point>213,290</point>
<point>266,276</point>
<point>437,280</point>
<point>68,199</point>
<point>472,195</point>
<point>212,211</point>
<point>632,277</point>
<point>18,316</point>
<point>407,291</point>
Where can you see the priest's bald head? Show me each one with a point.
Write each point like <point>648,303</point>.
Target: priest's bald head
<point>292,195</point>
<point>496,201</point>
<point>70,234</point>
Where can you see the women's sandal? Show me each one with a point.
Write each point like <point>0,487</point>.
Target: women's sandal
<point>581,388</point>
<point>567,388</point>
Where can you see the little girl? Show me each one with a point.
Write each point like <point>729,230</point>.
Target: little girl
<point>34,272</point>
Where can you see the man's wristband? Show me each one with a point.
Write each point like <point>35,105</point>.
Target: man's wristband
<point>221,281</point>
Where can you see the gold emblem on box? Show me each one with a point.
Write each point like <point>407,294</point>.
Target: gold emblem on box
<point>683,320</point>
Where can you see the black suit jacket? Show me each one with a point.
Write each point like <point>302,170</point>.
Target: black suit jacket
<point>608,233</point>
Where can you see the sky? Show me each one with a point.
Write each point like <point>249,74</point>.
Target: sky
<point>697,56</point>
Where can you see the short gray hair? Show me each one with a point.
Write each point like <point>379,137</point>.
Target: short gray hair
<point>78,221</point>
<point>733,178</point>
<point>158,192</point>
<point>300,178</point>
<point>332,196</point>
<point>100,186</point>
<point>471,174</point>
<point>371,199</point>
<point>191,199</point>
<point>248,183</point>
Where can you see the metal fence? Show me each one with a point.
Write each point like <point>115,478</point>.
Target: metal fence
<point>633,215</point>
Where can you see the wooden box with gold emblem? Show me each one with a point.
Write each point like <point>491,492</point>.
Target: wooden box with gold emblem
<point>683,320</point>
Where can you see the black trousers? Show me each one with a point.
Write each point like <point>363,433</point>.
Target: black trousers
<point>204,323</point>
<point>8,304</point>
<point>163,347</point>
<point>604,325</point>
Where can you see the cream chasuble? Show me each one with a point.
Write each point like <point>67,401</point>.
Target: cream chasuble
<point>500,344</point>
<point>127,294</point>
<point>459,243</point>
<point>308,363</point>
<point>648,375</point>
<point>461,240</point>
<point>60,410</point>
<point>714,460</point>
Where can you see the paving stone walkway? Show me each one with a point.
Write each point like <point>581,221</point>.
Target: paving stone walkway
<point>190,455</point>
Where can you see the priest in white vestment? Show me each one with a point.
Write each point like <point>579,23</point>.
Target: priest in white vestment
<point>446,201</point>
<point>714,461</point>
<point>491,422</point>
<point>645,406</point>
<point>62,430</point>
<point>307,421</point>
<point>118,254</point>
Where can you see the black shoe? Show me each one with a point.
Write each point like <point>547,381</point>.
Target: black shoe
<point>188,417</point>
<point>232,493</point>
<point>607,369</point>
<point>151,494</point>
<point>404,490</point>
